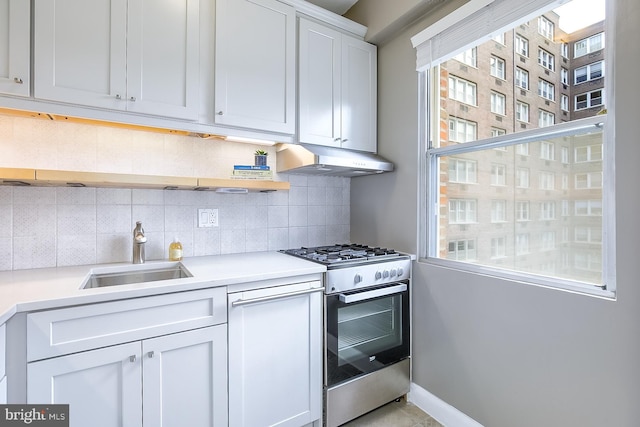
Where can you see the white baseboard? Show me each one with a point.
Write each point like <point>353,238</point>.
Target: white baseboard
<point>440,410</point>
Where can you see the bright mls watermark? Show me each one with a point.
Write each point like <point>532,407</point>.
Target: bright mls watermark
<point>34,415</point>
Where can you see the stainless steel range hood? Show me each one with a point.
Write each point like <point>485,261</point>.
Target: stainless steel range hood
<point>320,160</point>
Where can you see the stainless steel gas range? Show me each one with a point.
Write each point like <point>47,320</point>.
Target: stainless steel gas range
<point>366,339</point>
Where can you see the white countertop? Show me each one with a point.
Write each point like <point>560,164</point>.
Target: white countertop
<point>45,288</point>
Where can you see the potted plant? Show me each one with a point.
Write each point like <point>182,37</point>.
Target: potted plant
<point>260,157</point>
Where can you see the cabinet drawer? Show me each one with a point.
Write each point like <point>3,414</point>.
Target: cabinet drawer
<point>56,332</point>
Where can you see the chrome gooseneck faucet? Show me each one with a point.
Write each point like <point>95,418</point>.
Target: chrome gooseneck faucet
<point>139,239</point>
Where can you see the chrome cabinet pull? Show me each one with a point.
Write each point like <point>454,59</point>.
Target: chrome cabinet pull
<point>132,358</point>
<point>133,99</point>
<point>345,140</point>
<point>18,80</point>
<point>273,297</point>
<point>220,113</point>
<point>118,96</point>
<point>151,355</point>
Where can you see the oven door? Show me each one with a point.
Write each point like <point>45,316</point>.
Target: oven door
<point>366,330</point>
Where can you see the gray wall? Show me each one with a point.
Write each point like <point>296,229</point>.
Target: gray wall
<point>510,354</point>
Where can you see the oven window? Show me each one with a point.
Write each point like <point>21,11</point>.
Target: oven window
<point>369,328</point>
<point>365,334</point>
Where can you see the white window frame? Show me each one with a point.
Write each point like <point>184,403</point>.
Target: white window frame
<point>522,109</point>
<point>468,168</point>
<point>523,177</point>
<point>590,99</point>
<point>498,211</point>
<point>443,30</point>
<point>546,60</point>
<point>522,78</point>
<point>564,76</point>
<point>521,45</point>
<point>468,57</point>
<point>546,118</point>
<point>463,90</point>
<point>546,27</point>
<point>498,103</point>
<point>564,102</point>
<point>466,211</point>
<point>498,174</point>
<point>588,45</point>
<point>546,90</point>
<point>467,125</point>
<point>497,67</point>
<point>589,72</point>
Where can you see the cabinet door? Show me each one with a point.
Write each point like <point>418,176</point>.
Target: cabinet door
<point>185,379</point>
<point>275,356</point>
<point>255,65</point>
<point>163,57</point>
<point>80,52</point>
<point>15,47</point>
<point>359,95</point>
<point>102,387</point>
<point>319,84</point>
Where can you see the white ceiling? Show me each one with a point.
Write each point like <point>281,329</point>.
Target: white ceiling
<point>335,6</point>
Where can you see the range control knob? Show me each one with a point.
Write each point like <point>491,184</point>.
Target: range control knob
<point>400,271</point>
<point>393,272</point>
<point>385,274</point>
<point>378,275</point>
<point>357,278</point>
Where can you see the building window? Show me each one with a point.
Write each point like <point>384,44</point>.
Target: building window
<point>547,181</point>
<point>469,57</point>
<point>564,155</point>
<point>522,211</point>
<point>547,210</point>
<point>589,99</point>
<point>498,247</point>
<point>498,174</point>
<point>587,235</point>
<point>463,171</point>
<point>545,27</point>
<point>564,102</point>
<point>522,78</point>
<point>498,211</point>
<point>546,118</point>
<point>522,149</point>
<point>522,244</point>
<point>522,112</point>
<point>589,72</point>
<point>462,90</point>
<point>499,38</point>
<point>547,150</point>
<point>588,45</point>
<point>565,181</point>
<point>588,180</point>
<point>522,178</point>
<point>462,211</point>
<point>461,130</point>
<point>588,153</point>
<point>462,250</point>
<point>548,241</point>
<point>588,207</point>
<point>564,76</point>
<point>546,90</point>
<point>521,46</point>
<point>498,103</point>
<point>497,67</point>
<point>546,60</point>
<point>564,50</point>
<point>497,132</point>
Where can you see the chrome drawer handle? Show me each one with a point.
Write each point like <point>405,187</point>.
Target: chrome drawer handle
<point>272,297</point>
<point>18,80</point>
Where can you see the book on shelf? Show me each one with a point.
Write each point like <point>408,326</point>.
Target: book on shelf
<point>251,167</point>
<point>252,174</point>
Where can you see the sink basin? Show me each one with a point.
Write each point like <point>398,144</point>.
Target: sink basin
<point>108,276</point>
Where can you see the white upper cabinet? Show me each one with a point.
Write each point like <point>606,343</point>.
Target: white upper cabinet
<point>15,47</point>
<point>338,88</point>
<point>255,65</point>
<point>138,55</point>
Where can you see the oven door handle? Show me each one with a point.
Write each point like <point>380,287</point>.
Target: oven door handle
<point>361,296</point>
<point>272,297</point>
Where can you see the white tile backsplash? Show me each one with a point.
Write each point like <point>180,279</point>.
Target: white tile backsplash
<point>55,226</point>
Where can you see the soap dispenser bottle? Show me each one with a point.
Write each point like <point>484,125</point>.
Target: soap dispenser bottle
<point>175,250</point>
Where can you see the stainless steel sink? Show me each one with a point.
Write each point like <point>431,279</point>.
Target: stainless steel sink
<point>108,276</point>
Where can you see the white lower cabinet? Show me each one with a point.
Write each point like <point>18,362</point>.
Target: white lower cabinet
<point>275,356</point>
<point>172,380</point>
<point>3,378</point>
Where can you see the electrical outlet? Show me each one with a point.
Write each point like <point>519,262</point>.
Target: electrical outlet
<point>207,218</point>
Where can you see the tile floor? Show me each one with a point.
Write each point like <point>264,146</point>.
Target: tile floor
<point>395,414</point>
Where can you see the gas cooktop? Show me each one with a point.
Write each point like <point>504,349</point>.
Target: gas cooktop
<point>343,253</point>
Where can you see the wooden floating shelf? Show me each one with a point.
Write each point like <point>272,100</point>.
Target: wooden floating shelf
<point>41,177</point>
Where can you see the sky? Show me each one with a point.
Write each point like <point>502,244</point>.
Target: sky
<point>580,13</point>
